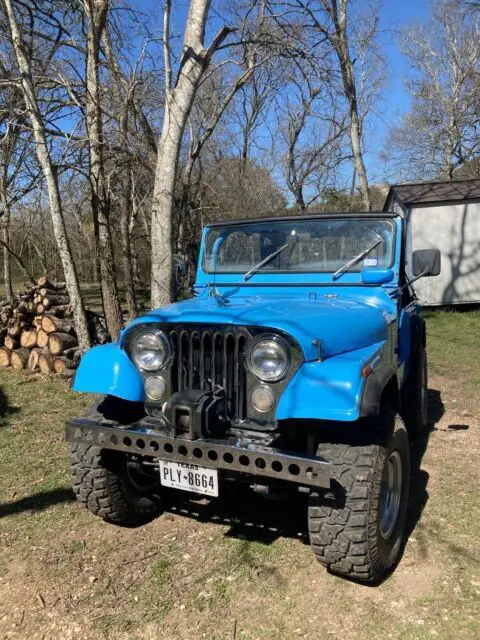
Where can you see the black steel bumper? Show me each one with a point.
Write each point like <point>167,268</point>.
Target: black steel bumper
<point>229,455</point>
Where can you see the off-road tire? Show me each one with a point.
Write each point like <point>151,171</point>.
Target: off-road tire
<point>344,525</point>
<point>101,484</point>
<point>414,398</point>
<point>99,476</point>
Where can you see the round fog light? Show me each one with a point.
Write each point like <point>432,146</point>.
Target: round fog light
<point>263,399</point>
<point>155,388</point>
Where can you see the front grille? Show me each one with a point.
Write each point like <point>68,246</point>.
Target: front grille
<point>211,359</point>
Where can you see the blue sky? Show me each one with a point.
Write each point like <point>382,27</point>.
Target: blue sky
<point>394,16</point>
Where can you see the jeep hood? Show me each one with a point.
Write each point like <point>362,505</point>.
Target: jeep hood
<point>340,324</point>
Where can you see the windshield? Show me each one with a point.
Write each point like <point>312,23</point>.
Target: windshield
<point>317,245</point>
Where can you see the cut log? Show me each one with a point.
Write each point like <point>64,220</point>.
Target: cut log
<point>19,358</point>
<point>11,343</point>
<point>43,282</point>
<point>72,353</point>
<point>61,364</point>
<point>28,339</point>
<point>42,338</point>
<point>50,324</point>
<point>45,362</point>
<point>32,363</point>
<point>15,329</point>
<point>60,311</point>
<point>67,373</point>
<point>37,322</point>
<point>5,355</point>
<point>54,301</point>
<point>57,342</point>
<point>40,309</point>
<point>44,291</point>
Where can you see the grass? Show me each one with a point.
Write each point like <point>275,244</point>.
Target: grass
<point>197,573</point>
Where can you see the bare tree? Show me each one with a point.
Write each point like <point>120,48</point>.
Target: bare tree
<point>314,138</point>
<point>97,12</point>
<point>180,95</point>
<point>331,19</point>
<point>27,84</point>
<point>441,133</point>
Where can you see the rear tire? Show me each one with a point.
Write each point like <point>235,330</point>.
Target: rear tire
<point>357,531</point>
<point>414,398</point>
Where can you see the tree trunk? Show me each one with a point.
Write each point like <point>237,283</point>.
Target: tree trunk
<point>96,11</point>
<point>179,101</point>
<point>7,269</point>
<point>341,45</point>
<point>49,171</point>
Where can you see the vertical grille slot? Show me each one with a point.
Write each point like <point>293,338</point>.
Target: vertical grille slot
<point>209,359</point>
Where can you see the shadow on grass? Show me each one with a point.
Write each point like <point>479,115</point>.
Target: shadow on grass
<point>419,477</point>
<point>5,409</point>
<point>37,502</point>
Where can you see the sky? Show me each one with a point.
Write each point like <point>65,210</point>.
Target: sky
<point>394,16</point>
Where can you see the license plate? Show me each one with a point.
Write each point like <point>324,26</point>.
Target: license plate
<point>189,477</point>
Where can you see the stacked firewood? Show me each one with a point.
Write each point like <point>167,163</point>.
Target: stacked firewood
<point>37,331</point>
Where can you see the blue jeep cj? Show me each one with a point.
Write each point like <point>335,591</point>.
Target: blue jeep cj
<point>298,366</point>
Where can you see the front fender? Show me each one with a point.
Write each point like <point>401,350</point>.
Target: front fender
<point>107,370</point>
<point>328,390</point>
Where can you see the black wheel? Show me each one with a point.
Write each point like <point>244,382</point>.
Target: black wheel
<point>110,484</point>
<point>415,395</point>
<point>357,530</point>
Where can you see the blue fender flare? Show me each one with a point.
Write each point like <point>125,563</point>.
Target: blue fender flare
<point>331,389</point>
<point>107,370</point>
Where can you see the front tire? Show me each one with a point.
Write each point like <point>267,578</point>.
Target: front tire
<point>103,484</point>
<point>357,531</point>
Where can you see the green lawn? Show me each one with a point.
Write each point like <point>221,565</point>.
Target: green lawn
<point>235,568</point>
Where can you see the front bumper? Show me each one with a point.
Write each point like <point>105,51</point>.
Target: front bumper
<point>232,454</point>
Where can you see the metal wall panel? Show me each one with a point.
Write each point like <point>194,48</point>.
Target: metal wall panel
<point>455,230</point>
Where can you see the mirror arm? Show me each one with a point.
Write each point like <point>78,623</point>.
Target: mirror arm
<point>409,282</point>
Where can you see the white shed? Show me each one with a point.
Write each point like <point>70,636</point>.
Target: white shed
<point>445,216</point>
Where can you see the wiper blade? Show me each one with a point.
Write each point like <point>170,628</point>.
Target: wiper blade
<point>258,266</point>
<point>356,259</point>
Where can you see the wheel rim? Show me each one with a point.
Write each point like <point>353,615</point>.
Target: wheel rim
<point>390,494</point>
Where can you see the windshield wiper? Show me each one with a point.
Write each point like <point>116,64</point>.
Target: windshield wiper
<point>356,259</point>
<point>258,266</point>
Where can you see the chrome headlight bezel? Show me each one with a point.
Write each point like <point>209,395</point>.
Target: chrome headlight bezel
<point>164,348</point>
<point>276,342</point>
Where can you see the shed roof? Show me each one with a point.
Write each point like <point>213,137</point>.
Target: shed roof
<point>423,192</point>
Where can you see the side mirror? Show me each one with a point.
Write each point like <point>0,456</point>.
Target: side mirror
<point>377,276</point>
<point>426,262</point>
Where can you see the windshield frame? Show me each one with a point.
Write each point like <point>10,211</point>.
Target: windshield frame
<point>379,216</point>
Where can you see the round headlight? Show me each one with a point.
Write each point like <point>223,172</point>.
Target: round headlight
<point>150,350</point>
<point>268,360</point>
